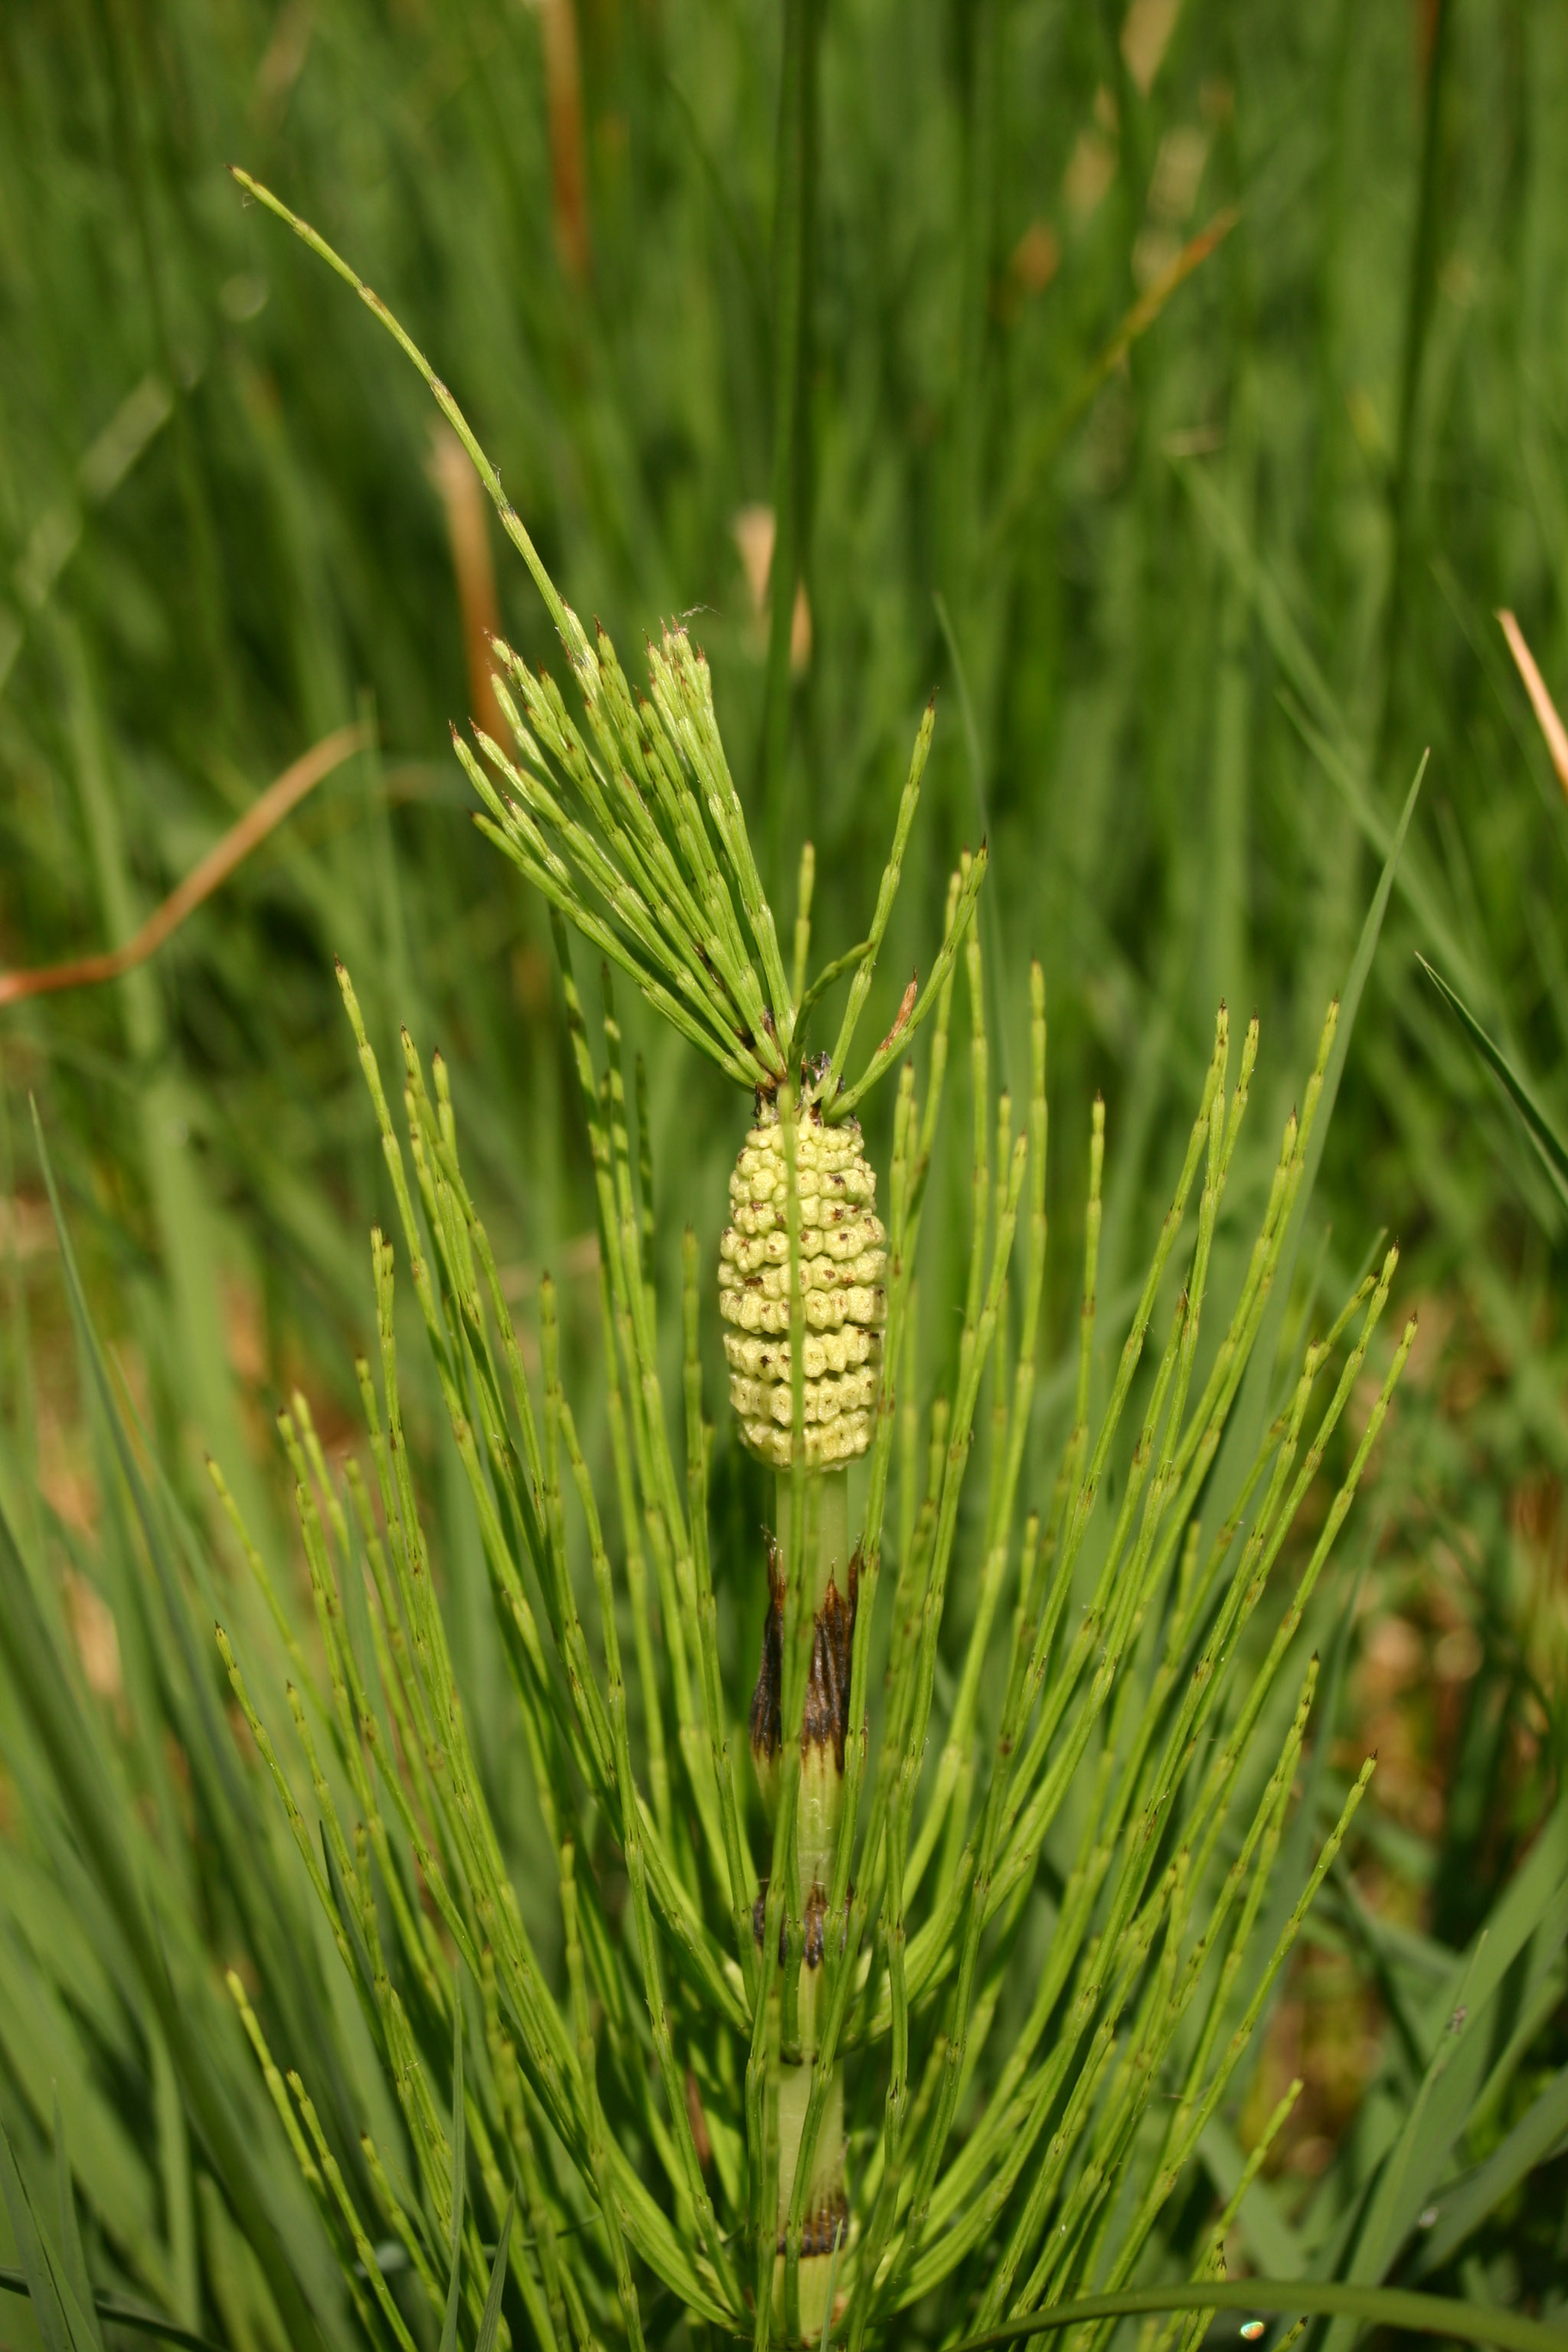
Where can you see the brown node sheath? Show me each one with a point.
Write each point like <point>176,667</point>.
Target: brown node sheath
<point>814,1923</point>
<point>827,1682</point>
<point>825,2227</point>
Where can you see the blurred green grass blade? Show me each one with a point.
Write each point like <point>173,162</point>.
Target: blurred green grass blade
<point>1044,439</point>
<point>1552,1151</point>
<point>1460,2211</point>
<point>460,2178</point>
<point>46,2054</point>
<point>490,2320</point>
<point>215,1744</point>
<point>1251,1415</point>
<point>794,256</point>
<point>1435,200</point>
<point>1416,886</point>
<point>124,2315</point>
<point>190,1703</point>
<point>1527,1925</point>
<point>570,635</point>
<point>1417,2156</point>
<point>1280,628</point>
<point>1322,724</point>
<point>1421,2315</point>
<point>175,2176</point>
<point>45,2289</point>
<point>73,2261</point>
<point>348,1915</point>
<point>109,1841</point>
<point>1529,1920</point>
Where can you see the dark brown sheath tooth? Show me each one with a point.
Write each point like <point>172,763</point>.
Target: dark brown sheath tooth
<point>812,1924</point>
<point>828,1685</point>
<point>827,2226</point>
<point>816,1914</point>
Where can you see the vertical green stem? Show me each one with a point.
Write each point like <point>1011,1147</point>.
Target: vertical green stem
<point>187,1229</point>
<point>982,34</point>
<point>1418,320</point>
<point>211,599</point>
<point>794,225</point>
<point>811,2199</point>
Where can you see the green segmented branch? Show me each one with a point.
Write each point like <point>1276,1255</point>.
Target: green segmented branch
<point>636,834</point>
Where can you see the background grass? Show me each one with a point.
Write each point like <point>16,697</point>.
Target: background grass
<point>1191,621</point>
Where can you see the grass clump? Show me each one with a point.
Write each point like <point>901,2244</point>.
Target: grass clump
<point>1115,607</point>
<point>776,2102</point>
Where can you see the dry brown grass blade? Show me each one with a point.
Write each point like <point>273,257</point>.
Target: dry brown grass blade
<point>1541,701</point>
<point>1152,301</point>
<point>467,510</point>
<point>568,152</point>
<point>261,818</point>
<point>1135,322</point>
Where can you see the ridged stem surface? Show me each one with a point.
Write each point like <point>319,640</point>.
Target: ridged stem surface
<point>800,2307</point>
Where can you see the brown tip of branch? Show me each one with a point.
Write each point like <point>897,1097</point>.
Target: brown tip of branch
<point>906,1007</point>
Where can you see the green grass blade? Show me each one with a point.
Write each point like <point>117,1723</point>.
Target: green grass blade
<point>108,1844</point>
<point>1541,1133</point>
<point>489,2321</point>
<point>1461,2211</point>
<point>1529,1920</point>
<point>1251,1415</point>
<point>39,2279</point>
<point>73,2261</point>
<point>1422,2315</point>
<point>569,629</point>
<point>458,2135</point>
<point>125,2315</point>
<point>795,208</point>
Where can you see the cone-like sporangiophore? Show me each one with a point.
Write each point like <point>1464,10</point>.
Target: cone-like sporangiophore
<point>843,1261</point>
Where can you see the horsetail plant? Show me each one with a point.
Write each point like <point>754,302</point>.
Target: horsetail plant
<point>955,2045</point>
